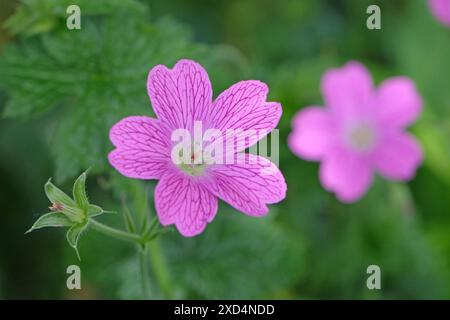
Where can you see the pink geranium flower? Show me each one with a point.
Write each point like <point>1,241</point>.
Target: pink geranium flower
<point>360,131</point>
<point>187,193</point>
<point>441,10</point>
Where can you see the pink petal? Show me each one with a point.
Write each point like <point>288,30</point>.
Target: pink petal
<point>143,148</point>
<point>183,201</point>
<point>348,91</point>
<point>243,106</point>
<point>397,103</point>
<point>248,186</point>
<point>347,174</point>
<point>398,156</point>
<point>441,10</point>
<point>180,95</point>
<point>313,133</point>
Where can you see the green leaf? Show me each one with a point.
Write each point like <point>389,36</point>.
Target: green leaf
<point>434,136</point>
<point>56,195</point>
<point>73,235</point>
<point>51,219</point>
<point>95,78</point>
<point>39,16</point>
<point>237,257</point>
<point>79,192</point>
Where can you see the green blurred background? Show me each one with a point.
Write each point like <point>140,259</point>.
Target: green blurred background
<point>61,90</point>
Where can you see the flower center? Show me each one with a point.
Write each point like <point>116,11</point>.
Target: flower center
<point>193,164</point>
<point>361,137</point>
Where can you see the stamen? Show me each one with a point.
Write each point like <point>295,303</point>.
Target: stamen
<point>56,206</point>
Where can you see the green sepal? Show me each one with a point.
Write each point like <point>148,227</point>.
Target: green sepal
<point>79,192</point>
<point>73,235</point>
<point>75,214</point>
<point>157,233</point>
<point>148,232</point>
<point>94,210</point>
<point>109,211</point>
<point>56,195</point>
<point>129,221</point>
<point>51,219</point>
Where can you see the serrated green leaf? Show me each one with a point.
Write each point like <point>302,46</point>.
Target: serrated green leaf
<point>79,192</point>
<point>98,80</point>
<point>73,236</point>
<point>56,195</point>
<point>51,219</point>
<point>39,16</point>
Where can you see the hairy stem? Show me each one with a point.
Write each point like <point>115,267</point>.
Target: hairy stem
<point>116,233</point>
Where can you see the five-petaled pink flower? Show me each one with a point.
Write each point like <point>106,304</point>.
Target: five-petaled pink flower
<point>360,131</point>
<point>186,195</point>
<point>441,10</point>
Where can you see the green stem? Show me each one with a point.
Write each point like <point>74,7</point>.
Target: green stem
<point>156,257</point>
<point>149,252</point>
<point>160,269</point>
<point>142,250</point>
<point>157,260</point>
<point>116,233</point>
<point>144,272</point>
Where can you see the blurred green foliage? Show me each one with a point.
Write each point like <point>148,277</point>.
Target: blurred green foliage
<point>62,90</point>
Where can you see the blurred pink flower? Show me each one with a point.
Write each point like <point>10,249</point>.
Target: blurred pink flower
<point>186,195</point>
<point>360,131</point>
<point>441,10</point>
